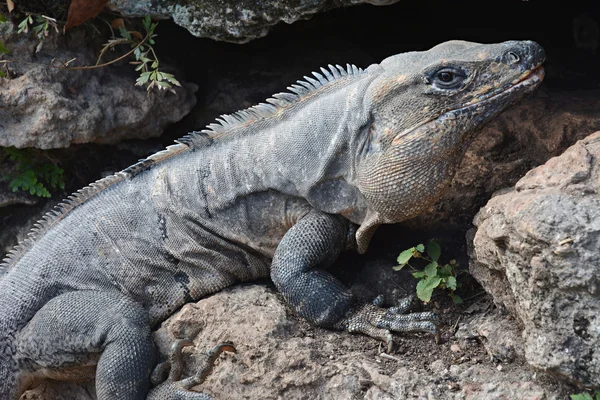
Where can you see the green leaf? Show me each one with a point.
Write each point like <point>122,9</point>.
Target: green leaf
<point>170,78</point>
<point>398,267</point>
<point>143,79</point>
<point>15,184</point>
<point>41,191</point>
<point>147,22</point>
<point>124,33</point>
<point>445,271</point>
<point>3,18</point>
<point>425,288</point>
<point>581,396</point>
<point>405,256</point>
<point>164,85</point>
<point>451,282</point>
<point>434,250</point>
<point>419,274</point>
<point>24,25</point>
<point>456,299</point>
<point>3,49</point>
<point>420,248</point>
<point>431,269</point>
<point>2,74</point>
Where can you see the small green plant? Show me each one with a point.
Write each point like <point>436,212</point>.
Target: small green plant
<point>41,28</point>
<point>586,396</point>
<point>3,49</point>
<point>146,60</point>
<point>32,175</point>
<point>433,275</point>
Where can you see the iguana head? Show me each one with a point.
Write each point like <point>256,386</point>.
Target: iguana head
<point>425,109</point>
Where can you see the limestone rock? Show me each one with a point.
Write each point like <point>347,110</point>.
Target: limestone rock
<point>231,20</point>
<point>48,107</point>
<point>536,252</point>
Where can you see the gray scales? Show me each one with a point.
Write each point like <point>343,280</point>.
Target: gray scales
<point>279,189</point>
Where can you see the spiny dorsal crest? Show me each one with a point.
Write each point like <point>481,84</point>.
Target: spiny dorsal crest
<point>300,90</point>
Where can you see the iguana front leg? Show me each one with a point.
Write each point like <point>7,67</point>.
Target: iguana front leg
<point>314,242</point>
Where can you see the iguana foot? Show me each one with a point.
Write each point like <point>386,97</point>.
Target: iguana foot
<point>175,388</point>
<point>379,323</point>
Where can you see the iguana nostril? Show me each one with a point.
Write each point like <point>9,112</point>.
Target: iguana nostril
<point>512,57</point>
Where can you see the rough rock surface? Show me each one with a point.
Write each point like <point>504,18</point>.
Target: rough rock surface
<point>279,356</point>
<point>536,252</point>
<point>51,107</point>
<point>523,137</point>
<point>231,20</point>
<point>498,333</point>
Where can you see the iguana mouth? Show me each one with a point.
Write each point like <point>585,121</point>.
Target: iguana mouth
<point>530,77</point>
<point>524,83</point>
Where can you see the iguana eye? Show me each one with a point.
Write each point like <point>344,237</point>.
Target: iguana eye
<point>445,76</point>
<point>448,78</point>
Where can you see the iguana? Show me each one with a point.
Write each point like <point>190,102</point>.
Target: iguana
<point>278,189</point>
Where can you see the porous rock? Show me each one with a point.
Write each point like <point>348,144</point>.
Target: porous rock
<point>521,138</point>
<point>45,106</point>
<point>536,251</point>
<point>231,20</point>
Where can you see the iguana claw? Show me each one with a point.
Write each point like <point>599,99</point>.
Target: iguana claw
<point>176,388</point>
<point>379,323</point>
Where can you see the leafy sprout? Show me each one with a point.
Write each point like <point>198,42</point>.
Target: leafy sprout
<point>433,275</point>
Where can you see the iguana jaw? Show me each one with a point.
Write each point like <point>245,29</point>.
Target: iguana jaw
<point>527,81</point>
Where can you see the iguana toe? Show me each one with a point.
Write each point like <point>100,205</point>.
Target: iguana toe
<point>378,322</point>
<point>174,388</point>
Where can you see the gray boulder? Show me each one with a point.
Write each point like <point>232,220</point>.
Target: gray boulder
<point>536,251</point>
<point>48,107</point>
<point>231,20</point>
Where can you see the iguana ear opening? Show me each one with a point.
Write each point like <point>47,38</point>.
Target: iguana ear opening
<point>366,231</point>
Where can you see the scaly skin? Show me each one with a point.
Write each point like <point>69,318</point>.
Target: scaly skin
<point>277,190</point>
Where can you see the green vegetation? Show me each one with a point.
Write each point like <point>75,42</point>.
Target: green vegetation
<point>433,275</point>
<point>31,174</point>
<point>141,45</point>
<point>41,28</point>
<point>586,396</point>
<point>143,51</point>
<point>3,49</point>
